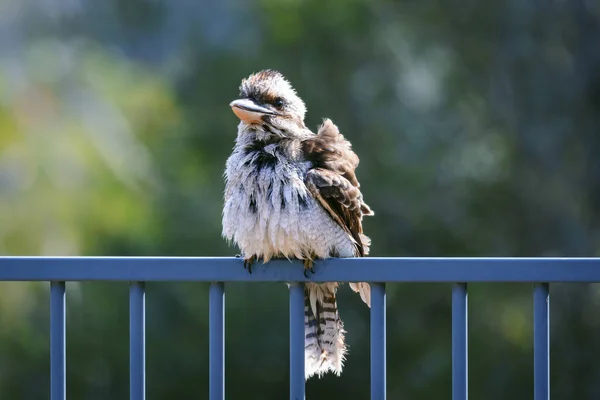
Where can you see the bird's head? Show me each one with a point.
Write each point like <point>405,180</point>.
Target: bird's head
<point>267,98</point>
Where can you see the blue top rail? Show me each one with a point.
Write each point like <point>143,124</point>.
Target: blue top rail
<point>370,269</point>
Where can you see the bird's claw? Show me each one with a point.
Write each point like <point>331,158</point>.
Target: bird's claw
<point>309,265</point>
<point>248,263</point>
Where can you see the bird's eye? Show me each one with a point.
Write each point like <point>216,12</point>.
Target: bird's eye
<point>278,102</point>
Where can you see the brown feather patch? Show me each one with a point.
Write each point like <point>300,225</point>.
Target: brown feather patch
<point>333,182</point>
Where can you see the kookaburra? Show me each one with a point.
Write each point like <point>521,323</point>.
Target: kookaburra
<point>291,193</point>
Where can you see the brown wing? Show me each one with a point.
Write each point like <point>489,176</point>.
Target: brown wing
<point>333,183</point>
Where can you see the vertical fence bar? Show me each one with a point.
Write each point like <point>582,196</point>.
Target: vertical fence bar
<point>216,340</point>
<point>58,364</point>
<point>460,349</point>
<point>378,341</point>
<point>137,341</point>
<point>541,341</point>
<point>297,390</point>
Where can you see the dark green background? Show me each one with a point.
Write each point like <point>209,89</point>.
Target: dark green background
<point>478,128</point>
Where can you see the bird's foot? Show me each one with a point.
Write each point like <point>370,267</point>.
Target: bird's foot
<point>248,263</point>
<point>309,265</point>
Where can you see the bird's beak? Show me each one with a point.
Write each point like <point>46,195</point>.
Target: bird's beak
<point>248,111</point>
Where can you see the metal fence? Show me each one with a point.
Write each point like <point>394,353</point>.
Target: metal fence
<point>218,271</point>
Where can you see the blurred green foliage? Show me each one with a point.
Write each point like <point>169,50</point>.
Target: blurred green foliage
<point>478,128</point>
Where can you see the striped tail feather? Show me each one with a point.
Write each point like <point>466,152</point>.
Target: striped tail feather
<point>325,349</point>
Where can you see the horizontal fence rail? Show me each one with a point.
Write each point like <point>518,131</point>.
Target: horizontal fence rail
<point>378,271</point>
<point>371,269</point>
